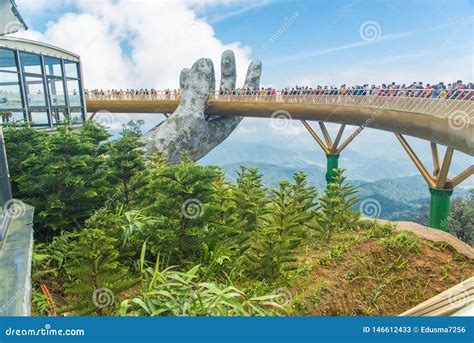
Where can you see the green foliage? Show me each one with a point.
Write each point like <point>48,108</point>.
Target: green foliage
<point>335,253</point>
<point>39,303</point>
<point>167,292</point>
<point>21,143</point>
<point>336,211</point>
<point>251,200</point>
<point>304,198</point>
<point>125,158</point>
<point>276,240</point>
<point>222,208</point>
<point>404,241</point>
<point>461,218</point>
<point>97,201</point>
<point>62,177</point>
<point>49,259</point>
<point>374,230</point>
<point>95,273</point>
<point>179,195</point>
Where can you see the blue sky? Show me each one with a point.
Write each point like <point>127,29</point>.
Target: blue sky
<point>324,37</point>
<point>146,43</point>
<point>325,34</point>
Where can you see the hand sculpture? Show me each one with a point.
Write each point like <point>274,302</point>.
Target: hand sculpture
<point>188,128</point>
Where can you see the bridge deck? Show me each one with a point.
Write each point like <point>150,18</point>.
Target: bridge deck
<point>444,121</point>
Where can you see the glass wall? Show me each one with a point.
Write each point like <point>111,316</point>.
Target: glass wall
<point>43,90</point>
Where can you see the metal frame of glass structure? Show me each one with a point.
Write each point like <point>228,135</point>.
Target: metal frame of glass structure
<point>40,84</point>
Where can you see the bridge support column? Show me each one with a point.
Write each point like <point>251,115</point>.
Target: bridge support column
<point>330,148</point>
<point>439,208</point>
<point>439,185</point>
<point>332,164</point>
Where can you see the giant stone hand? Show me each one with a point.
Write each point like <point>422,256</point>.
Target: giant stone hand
<point>189,129</point>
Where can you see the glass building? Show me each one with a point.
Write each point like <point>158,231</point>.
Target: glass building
<point>40,84</point>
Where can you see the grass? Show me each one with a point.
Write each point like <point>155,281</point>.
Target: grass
<point>376,270</point>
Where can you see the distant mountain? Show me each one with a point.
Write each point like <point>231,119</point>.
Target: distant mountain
<point>407,189</point>
<point>396,198</point>
<point>359,165</point>
<point>273,174</point>
<point>239,152</point>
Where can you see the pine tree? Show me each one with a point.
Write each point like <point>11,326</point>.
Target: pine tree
<point>304,199</point>
<point>20,144</point>
<point>336,211</point>
<point>280,234</point>
<point>180,195</point>
<point>221,210</point>
<point>96,276</point>
<point>65,180</point>
<point>251,200</point>
<point>125,158</point>
<point>95,132</point>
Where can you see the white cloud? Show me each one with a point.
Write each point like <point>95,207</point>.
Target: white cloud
<point>41,5</point>
<point>123,45</point>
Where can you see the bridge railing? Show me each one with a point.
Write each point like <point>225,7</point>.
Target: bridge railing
<point>440,104</point>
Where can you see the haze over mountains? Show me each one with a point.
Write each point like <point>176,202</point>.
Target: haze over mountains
<point>375,162</point>
<point>395,198</point>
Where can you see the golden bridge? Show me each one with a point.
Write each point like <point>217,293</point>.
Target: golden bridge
<point>447,122</point>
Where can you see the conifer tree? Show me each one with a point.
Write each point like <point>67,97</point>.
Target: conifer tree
<point>181,194</point>
<point>221,208</point>
<point>125,158</point>
<point>65,180</point>
<point>304,199</point>
<point>279,235</point>
<point>251,200</point>
<point>20,144</point>
<point>96,275</point>
<point>336,211</point>
<point>95,132</point>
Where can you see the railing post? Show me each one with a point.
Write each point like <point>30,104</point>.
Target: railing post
<point>439,208</point>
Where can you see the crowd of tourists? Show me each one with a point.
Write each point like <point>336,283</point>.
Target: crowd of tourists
<point>456,91</point>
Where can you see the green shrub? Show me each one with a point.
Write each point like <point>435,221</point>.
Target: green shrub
<point>168,292</point>
<point>336,213</point>
<point>374,230</point>
<point>404,241</point>
<point>96,275</point>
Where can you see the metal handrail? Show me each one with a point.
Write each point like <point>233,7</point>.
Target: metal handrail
<point>453,102</point>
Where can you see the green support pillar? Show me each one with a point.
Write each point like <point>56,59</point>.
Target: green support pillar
<point>439,208</point>
<point>332,163</point>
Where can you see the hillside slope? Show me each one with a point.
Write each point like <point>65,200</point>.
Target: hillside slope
<point>375,271</point>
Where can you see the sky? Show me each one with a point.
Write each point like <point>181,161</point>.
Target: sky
<point>146,43</point>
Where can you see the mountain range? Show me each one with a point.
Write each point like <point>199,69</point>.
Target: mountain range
<point>398,198</point>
